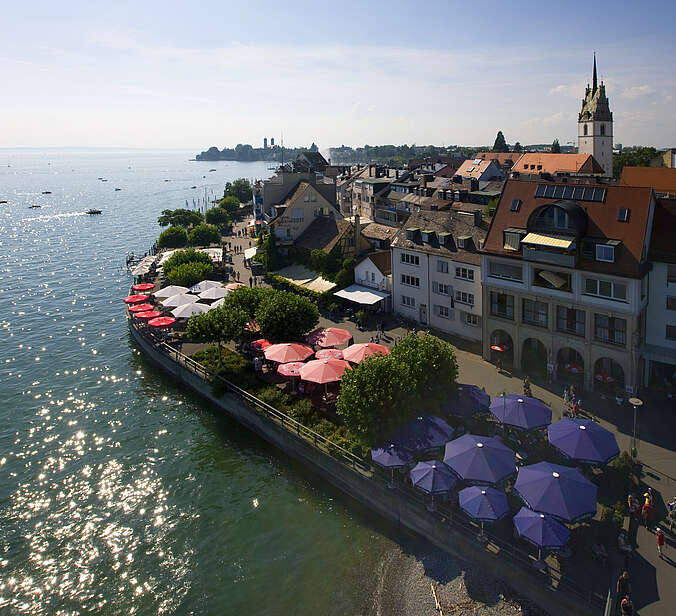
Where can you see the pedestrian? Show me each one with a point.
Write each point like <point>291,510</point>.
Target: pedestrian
<point>632,505</point>
<point>648,512</point>
<point>649,496</point>
<point>627,607</point>
<point>371,340</point>
<point>250,282</point>
<point>624,585</point>
<point>660,541</point>
<point>565,394</point>
<point>377,340</point>
<point>576,408</point>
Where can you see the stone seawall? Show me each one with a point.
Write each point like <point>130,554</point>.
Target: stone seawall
<point>395,505</point>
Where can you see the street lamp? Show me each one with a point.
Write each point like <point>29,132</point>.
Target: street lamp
<point>636,403</point>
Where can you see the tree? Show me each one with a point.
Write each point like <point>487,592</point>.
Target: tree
<point>374,398</point>
<point>268,255</point>
<point>230,204</point>
<point>180,217</point>
<point>218,216</point>
<point>241,189</point>
<point>189,255</point>
<point>635,157</point>
<point>285,317</point>
<point>219,325</point>
<point>317,261</point>
<point>345,276</point>
<point>204,235</point>
<point>556,148</point>
<point>500,144</point>
<point>188,274</point>
<point>517,147</point>
<point>248,299</point>
<point>173,237</point>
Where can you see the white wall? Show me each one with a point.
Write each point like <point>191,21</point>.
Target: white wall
<point>658,317</point>
<point>367,274</point>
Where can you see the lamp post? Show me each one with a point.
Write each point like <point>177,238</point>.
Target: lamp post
<point>636,403</point>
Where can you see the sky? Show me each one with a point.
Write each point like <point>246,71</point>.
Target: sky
<point>192,75</point>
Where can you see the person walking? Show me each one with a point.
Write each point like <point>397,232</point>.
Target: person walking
<point>250,282</point>
<point>660,542</point>
<point>624,585</point>
<point>627,606</point>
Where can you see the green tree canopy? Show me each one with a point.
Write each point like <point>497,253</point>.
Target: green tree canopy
<point>517,147</point>
<point>241,189</point>
<point>219,325</point>
<point>268,255</point>
<point>204,235</point>
<point>286,317</point>
<point>500,144</point>
<point>635,157</point>
<point>189,255</point>
<point>217,216</point>
<point>173,237</point>
<point>345,276</point>
<point>180,217</point>
<point>188,274</point>
<point>248,299</point>
<point>230,204</point>
<point>556,148</point>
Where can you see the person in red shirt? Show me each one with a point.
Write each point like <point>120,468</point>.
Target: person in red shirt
<point>660,541</point>
<point>648,513</point>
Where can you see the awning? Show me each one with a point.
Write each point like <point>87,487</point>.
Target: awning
<point>556,241</point>
<point>250,252</point>
<point>552,278</point>
<point>361,295</point>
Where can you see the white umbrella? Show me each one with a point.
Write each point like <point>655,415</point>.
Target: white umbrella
<point>169,291</point>
<point>205,285</point>
<point>214,293</point>
<point>180,299</point>
<point>187,310</point>
<point>217,303</point>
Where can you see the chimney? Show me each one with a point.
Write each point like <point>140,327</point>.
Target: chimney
<point>370,171</point>
<point>357,235</point>
<point>477,218</point>
<point>397,173</point>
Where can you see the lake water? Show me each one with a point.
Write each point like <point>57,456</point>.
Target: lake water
<point>121,493</point>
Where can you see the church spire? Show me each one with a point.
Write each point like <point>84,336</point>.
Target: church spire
<point>594,82</point>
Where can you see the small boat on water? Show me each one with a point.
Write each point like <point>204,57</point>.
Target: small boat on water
<point>212,170</point>
<point>46,192</point>
<point>117,189</point>
<point>3,202</point>
<point>167,180</point>
<point>99,178</point>
<point>193,187</point>
<point>104,180</point>
<point>94,211</point>
<point>34,207</point>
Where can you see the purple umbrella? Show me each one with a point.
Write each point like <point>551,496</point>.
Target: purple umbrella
<point>432,477</point>
<point>480,459</point>
<point>424,434</point>
<point>541,530</point>
<point>483,504</point>
<point>391,457</point>
<point>583,440</point>
<point>560,491</point>
<point>521,412</point>
<point>466,400</point>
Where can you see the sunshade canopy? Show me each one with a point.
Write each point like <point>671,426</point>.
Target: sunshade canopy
<point>144,286</point>
<point>290,369</point>
<point>188,310</point>
<point>483,504</point>
<point>204,285</point>
<point>214,293</point>
<point>146,316</point>
<point>329,337</point>
<point>171,290</point>
<point>555,241</point>
<point>141,307</point>
<point>180,300</point>
<point>287,351</point>
<point>260,344</point>
<point>391,456</point>
<point>423,433</point>
<point>161,322</point>
<point>541,530</point>
<point>521,411</point>
<point>329,354</point>
<point>583,440</point>
<point>135,299</point>
<point>479,459</point>
<point>432,477</point>
<point>466,400</point>
<point>359,352</point>
<point>361,295</point>
<point>324,370</point>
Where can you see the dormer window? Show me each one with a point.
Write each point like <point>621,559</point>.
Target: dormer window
<point>623,214</point>
<point>516,205</point>
<point>605,253</point>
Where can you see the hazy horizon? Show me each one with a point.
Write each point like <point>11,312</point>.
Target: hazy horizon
<point>168,76</point>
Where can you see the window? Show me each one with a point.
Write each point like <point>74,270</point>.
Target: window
<point>288,233</point>
<point>610,329</point>
<point>442,266</point>
<point>505,270</point>
<point>512,240</point>
<point>570,320</point>
<point>605,288</point>
<point>471,319</point>
<point>502,305</point>
<point>671,332</point>
<point>605,253</point>
<point>516,205</point>
<point>603,130</point>
<point>671,303</point>
<point>535,313</point>
<point>444,312</point>
<point>671,273</point>
<point>623,214</point>
<point>553,217</point>
<point>585,129</point>
<point>306,197</point>
<point>464,298</point>
<point>373,276</point>
<point>411,281</point>
<point>410,259</point>
<point>407,301</point>
<point>464,273</point>
<point>297,215</point>
<point>313,197</point>
<point>441,289</point>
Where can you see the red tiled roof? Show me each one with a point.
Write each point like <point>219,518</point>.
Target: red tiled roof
<point>501,158</point>
<point>602,222</point>
<point>662,246</point>
<point>536,162</point>
<point>662,179</point>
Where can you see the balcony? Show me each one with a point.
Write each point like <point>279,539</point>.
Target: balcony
<point>365,282</point>
<point>541,255</point>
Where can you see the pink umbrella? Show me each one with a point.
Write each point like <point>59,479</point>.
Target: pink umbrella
<point>233,285</point>
<point>290,369</point>
<point>324,370</point>
<point>287,352</point>
<point>135,299</point>
<point>329,354</point>
<point>162,322</point>
<point>260,344</point>
<point>359,352</point>
<point>141,307</point>
<point>145,286</point>
<point>146,316</point>
<point>329,337</point>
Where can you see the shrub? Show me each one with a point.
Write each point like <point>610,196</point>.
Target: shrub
<point>189,255</point>
<point>188,274</point>
<point>204,235</point>
<point>173,237</point>
<point>217,216</point>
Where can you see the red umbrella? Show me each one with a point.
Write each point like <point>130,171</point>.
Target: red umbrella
<point>324,370</point>
<point>135,299</point>
<point>145,286</point>
<point>498,348</point>
<point>329,337</point>
<point>146,316</point>
<point>233,285</point>
<point>329,354</point>
<point>287,352</point>
<point>162,322</point>
<point>359,352</point>
<point>290,369</point>
<point>141,307</point>
<point>260,344</point>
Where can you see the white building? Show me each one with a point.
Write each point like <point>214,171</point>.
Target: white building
<point>436,271</point>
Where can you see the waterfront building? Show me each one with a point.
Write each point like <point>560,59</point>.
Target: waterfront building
<point>372,282</point>
<point>272,193</point>
<point>565,280</point>
<point>595,125</point>
<point>436,271</point>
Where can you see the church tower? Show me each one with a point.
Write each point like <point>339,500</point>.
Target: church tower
<point>595,125</point>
